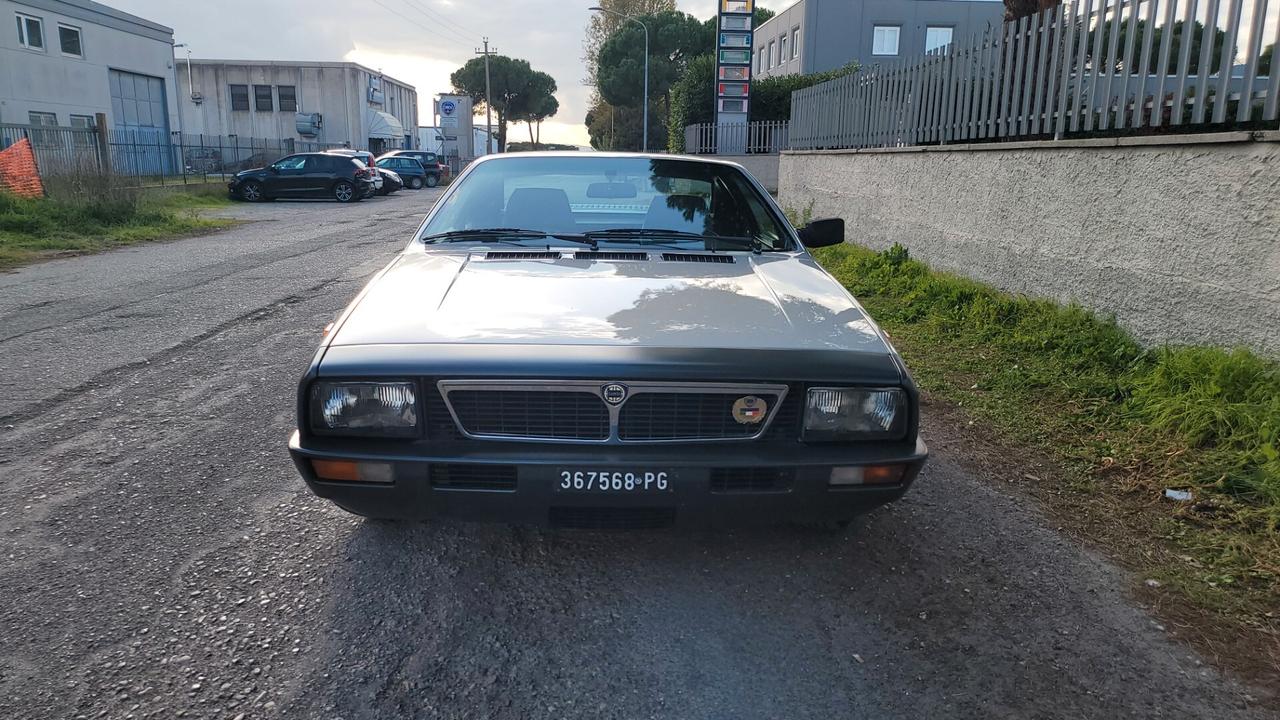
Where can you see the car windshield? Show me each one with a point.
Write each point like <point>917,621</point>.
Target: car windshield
<point>686,203</point>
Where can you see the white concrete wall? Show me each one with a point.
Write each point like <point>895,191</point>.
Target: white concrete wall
<point>1178,237</point>
<point>48,81</point>
<point>763,167</point>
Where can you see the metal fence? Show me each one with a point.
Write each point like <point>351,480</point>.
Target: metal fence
<point>149,156</point>
<point>1087,67</point>
<point>736,139</point>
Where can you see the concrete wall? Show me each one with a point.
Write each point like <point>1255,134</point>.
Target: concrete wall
<point>46,80</point>
<point>1178,237</point>
<point>763,167</point>
<point>835,32</point>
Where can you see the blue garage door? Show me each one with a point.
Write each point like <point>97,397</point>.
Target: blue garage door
<point>140,141</point>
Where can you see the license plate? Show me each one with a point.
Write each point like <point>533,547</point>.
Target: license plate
<point>613,481</point>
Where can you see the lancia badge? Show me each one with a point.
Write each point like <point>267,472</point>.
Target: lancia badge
<point>749,410</point>
<point>614,393</point>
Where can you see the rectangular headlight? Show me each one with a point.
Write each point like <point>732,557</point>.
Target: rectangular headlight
<point>832,414</point>
<point>364,408</point>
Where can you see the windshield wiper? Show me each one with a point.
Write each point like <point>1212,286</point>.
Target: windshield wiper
<point>755,244</point>
<point>507,233</point>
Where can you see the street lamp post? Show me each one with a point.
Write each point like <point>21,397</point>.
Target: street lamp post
<point>634,19</point>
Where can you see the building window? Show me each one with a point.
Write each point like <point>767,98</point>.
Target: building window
<point>937,37</point>
<point>795,43</point>
<point>772,60</point>
<point>69,39</point>
<point>82,122</point>
<point>288,98</point>
<point>30,32</point>
<point>759,60</point>
<point>42,118</point>
<point>240,97</point>
<point>262,98</point>
<point>782,49</point>
<point>885,40</point>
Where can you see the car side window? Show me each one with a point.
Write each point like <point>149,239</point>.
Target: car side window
<point>294,162</point>
<point>313,164</point>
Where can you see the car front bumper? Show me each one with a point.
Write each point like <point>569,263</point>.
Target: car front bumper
<point>534,498</point>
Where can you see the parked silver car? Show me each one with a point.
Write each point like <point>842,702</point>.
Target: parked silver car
<point>608,340</point>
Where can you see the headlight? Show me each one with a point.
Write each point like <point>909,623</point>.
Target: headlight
<point>855,414</point>
<point>364,408</point>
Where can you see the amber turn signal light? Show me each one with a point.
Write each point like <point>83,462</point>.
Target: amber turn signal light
<point>867,475</point>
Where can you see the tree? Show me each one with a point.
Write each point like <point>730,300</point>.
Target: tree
<point>603,24</point>
<point>520,93</point>
<point>1265,60</point>
<point>1101,55</point>
<point>1015,9</point>
<point>542,105</point>
<point>614,128</point>
<point>674,39</point>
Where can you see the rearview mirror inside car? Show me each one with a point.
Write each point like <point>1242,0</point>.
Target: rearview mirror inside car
<point>823,233</point>
<point>611,190</point>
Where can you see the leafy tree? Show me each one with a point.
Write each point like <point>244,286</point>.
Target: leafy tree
<point>615,128</point>
<point>540,104</point>
<point>520,93</point>
<point>1015,9</point>
<point>674,39</point>
<point>1101,54</point>
<point>603,24</point>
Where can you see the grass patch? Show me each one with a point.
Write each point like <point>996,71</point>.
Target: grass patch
<point>1127,422</point>
<point>80,222</point>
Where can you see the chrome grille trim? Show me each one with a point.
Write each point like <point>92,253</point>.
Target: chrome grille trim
<point>595,387</point>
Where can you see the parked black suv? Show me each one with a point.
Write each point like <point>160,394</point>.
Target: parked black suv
<point>314,175</point>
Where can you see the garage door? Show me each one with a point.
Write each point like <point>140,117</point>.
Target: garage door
<point>140,141</point>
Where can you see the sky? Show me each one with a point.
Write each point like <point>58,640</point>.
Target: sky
<point>420,42</point>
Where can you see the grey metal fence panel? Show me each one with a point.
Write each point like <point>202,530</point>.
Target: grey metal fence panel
<point>1087,66</point>
<point>1226,62</point>
<point>1252,52</point>
<point>1269,111</point>
<point>1201,100</point>
<point>1130,45</point>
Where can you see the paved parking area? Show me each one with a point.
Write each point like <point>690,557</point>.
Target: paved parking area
<point>162,559</point>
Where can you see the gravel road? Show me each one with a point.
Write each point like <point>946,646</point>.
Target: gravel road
<point>161,558</point>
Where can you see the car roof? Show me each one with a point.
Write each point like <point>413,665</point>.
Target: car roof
<point>585,154</point>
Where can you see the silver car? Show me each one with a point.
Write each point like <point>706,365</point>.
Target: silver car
<point>595,340</point>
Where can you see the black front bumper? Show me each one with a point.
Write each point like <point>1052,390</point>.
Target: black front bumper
<point>692,500</point>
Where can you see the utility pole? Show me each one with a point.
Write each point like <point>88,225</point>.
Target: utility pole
<point>488,99</point>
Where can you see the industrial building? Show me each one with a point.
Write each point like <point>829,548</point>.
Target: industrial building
<point>327,103</point>
<point>820,35</point>
<point>62,62</point>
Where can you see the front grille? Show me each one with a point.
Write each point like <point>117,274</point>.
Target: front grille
<point>751,480</point>
<point>695,258</point>
<point>786,421</point>
<point>556,415</point>
<point>440,424</point>
<point>473,477</point>
<point>685,416</point>
<point>612,518</point>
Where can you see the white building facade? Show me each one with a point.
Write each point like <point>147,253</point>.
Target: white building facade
<point>62,62</point>
<point>332,104</point>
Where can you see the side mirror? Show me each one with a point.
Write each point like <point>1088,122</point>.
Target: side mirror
<point>823,233</point>
<point>273,169</point>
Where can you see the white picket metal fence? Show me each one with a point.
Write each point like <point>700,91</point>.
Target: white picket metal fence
<point>765,138</point>
<point>1086,67</point>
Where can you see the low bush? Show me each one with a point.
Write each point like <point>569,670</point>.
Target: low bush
<point>81,219</point>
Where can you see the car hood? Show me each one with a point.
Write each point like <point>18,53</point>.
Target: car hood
<point>768,301</point>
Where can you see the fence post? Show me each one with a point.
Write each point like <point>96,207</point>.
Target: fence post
<point>100,139</point>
